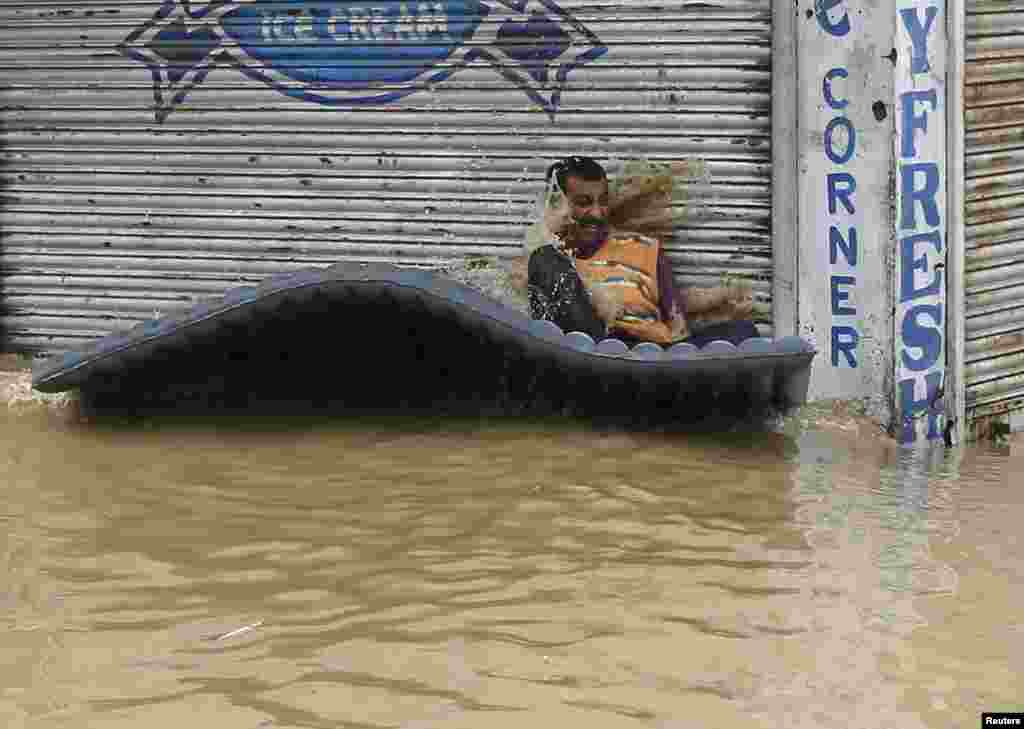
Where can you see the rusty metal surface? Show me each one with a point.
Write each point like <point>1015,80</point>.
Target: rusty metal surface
<point>107,211</point>
<point>994,215</point>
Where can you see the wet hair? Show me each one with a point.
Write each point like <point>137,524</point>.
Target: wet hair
<point>583,167</point>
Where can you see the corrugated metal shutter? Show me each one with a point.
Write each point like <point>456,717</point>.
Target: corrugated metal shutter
<point>994,216</point>
<point>110,215</point>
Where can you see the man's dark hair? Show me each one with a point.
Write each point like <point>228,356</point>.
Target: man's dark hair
<point>583,167</point>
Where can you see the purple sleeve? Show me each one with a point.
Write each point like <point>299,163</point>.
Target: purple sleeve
<point>670,295</point>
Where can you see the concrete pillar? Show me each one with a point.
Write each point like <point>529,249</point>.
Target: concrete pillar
<point>870,180</point>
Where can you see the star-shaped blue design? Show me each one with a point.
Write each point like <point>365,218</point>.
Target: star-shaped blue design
<point>539,40</point>
<point>179,49</point>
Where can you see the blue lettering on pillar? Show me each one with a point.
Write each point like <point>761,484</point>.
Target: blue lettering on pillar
<point>840,187</point>
<point>826,88</point>
<point>848,246</point>
<point>912,120</point>
<point>921,330</point>
<point>919,36</point>
<point>912,408</point>
<point>926,338</point>
<point>925,195</point>
<point>839,296</point>
<point>851,140</point>
<point>845,340</point>
<point>844,193</point>
<point>909,264</point>
<point>840,27</point>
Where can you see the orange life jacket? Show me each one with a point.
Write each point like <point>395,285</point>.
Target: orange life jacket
<point>627,263</point>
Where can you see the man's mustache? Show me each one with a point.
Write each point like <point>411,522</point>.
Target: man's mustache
<point>586,220</point>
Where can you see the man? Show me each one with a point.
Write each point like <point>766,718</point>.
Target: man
<point>606,283</point>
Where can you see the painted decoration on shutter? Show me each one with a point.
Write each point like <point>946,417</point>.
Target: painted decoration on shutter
<point>154,152</point>
<point>994,216</point>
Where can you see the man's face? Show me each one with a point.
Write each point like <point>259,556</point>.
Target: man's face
<point>588,203</point>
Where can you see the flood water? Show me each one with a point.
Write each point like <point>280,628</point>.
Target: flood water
<point>398,573</point>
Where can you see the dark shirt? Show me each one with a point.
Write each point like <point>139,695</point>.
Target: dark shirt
<point>668,294</point>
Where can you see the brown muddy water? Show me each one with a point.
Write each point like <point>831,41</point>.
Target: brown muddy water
<point>455,573</point>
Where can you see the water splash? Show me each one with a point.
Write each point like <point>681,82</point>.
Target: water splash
<point>497,278</point>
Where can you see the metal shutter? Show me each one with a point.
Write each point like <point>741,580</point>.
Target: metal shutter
<point>994,215</point>
<point>137,176</point>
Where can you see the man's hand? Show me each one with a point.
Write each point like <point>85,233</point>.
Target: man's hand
<point>607,304</point>
<point>732,302</point>
<point>699,301</point>
<point>678,326</point>
<point>557,216</point>
<point>518,274</point>
<point>740,300</point>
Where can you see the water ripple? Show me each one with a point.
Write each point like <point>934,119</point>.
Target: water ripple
<point>429,574</point>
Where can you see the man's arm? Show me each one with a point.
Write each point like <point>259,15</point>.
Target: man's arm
<point>557,294</point>
<point>728,302</point>
<point>671,299</point>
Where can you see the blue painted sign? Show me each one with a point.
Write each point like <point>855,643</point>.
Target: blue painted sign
<point>354,53</point>
<point>920,220</point>
<point>840,144</point>
<point>842,249</point>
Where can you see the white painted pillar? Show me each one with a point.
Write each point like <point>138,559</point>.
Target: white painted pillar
<point>956,405</point>
<point>844,119</point>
